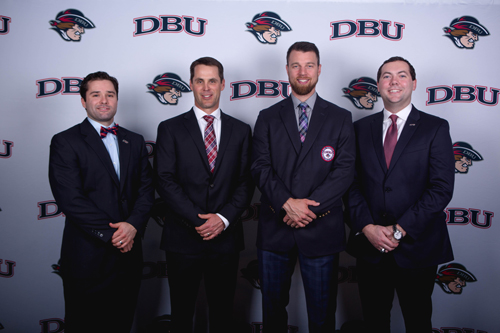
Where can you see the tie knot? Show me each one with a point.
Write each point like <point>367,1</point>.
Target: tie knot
<point>303,106</point>
<point>394,118</point>
<point>209,119</point>
<point>104,131</point>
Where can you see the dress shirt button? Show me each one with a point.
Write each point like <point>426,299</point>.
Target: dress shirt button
<point>212,185</point>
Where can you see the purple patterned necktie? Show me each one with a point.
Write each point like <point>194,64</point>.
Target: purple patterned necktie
<point>210,142</point>
<point>303,122</point>
<point>391,138</point>
<point>105,131</point>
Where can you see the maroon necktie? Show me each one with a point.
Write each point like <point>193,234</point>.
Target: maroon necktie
<point>105,131</point>
<point>391,138</point>
<point>210,142</point>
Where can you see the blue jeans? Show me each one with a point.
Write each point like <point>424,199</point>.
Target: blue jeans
<point>320,278</point>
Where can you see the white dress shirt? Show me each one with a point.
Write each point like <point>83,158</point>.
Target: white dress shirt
<point>111,144</point>
<point>400,122</point>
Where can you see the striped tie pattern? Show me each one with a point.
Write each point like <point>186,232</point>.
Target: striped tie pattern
<point>210,142</point>
<point>105,131</point>
<point>303,122</point>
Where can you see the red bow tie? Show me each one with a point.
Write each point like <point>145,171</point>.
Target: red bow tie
<point>105,131</point>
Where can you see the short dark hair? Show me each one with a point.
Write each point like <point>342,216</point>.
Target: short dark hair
<point>97,76</point>
<point>302,47</point>
<point>207,61</point>
<point>393,59</point>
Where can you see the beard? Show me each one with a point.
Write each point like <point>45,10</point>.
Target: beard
<point>301,89</point>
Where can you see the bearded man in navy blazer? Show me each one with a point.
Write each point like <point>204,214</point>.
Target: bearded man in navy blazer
<point>202,166</point>
<point>404,180</point>
<point>102,181</point>
<point>303,163</point>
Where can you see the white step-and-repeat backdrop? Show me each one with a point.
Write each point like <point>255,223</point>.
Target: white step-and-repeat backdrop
<point>47,47</point>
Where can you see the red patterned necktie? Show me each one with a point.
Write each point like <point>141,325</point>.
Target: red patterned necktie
<point>210,142</point>
<point>105,131</point>
<point>391,138</point>
<point>303,122</point>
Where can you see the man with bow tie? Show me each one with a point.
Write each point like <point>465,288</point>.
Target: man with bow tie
<point>102,181</point>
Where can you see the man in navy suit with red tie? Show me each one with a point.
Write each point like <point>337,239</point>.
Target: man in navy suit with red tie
<point>202,167</point>
<point>404,180</point>
<point>303,163</point>
<point>102,181</point>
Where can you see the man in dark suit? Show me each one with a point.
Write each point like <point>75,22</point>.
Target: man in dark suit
<point>202,166</point>
<point>302,162</point>
<point>102,181</point>
<point>404,180</point>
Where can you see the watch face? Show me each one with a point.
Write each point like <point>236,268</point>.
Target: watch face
<point>397,234</point>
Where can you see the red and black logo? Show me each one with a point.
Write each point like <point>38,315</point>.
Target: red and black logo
<point>362,92</point>
<point>71,24</point>
<point>267,27</point>
<point>464,155</point>
<point>465,31</point>
<point>168,88</point>
<point>452,278</point>
<point>5,26</point>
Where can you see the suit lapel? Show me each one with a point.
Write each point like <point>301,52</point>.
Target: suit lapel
<point>287,114</point>
<point>225,136</point>
<point>376,128</point>
<point>191,124</point>
<point>95,143</point>
<point>314,127</point>
<point>409,129</point>
<point>124,154</point>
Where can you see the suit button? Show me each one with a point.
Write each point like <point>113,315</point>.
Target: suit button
<point>388,189</point>
<point>212,185</point>
<point>384,215</point>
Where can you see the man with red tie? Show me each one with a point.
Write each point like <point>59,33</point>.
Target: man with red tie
<point>102,181</point>
<point>202,167</point>
<point>404,180</point>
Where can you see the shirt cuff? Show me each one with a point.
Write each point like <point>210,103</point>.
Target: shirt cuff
<point>224,220</point>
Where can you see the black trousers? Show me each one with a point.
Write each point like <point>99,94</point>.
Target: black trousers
<point>377,283</point>
<point>185,272</point>
<point>101,305</point>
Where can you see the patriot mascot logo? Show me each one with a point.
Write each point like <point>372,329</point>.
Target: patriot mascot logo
<point>465,31</point>
<point>362,92</point>
<point>267,27</point>
<point>168,88</point>
<point>464,155</point>
<point>71,25</point>
<point>452,278</point>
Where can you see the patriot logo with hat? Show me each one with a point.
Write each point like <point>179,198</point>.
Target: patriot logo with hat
<point>267,27</point>
<point>71,24</point>
<point>168,88</point>
<point>464,31</point>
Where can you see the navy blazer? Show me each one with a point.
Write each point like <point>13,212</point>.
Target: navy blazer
<point>87,190</point>
<point>283,168</point>
<point>413,192</point>
<point>185,183</point>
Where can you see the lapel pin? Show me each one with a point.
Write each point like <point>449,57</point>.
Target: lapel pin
<point>412,124</point>
<point>125,141</point>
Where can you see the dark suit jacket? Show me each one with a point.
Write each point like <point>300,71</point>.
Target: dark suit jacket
<point>413,192</point>
<point>283,168</point>
<point>185,183</point>
<point>87,190</point>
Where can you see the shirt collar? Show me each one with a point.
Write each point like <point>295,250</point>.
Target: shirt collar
<point>199,113</point>
<point>98,125</point>
<point>310,101</point>
<point>403,114</point>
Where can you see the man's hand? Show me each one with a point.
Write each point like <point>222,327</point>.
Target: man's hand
<point>123,237</point>
<point>298,214</point>
<point>211,228</point>
<point>381,237</point>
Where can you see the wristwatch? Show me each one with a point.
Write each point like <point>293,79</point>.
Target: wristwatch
<point>398,235</point>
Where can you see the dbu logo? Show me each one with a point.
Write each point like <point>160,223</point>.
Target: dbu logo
<point>169,24</point>
<point>53,86</point>
<point>367,28</point>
